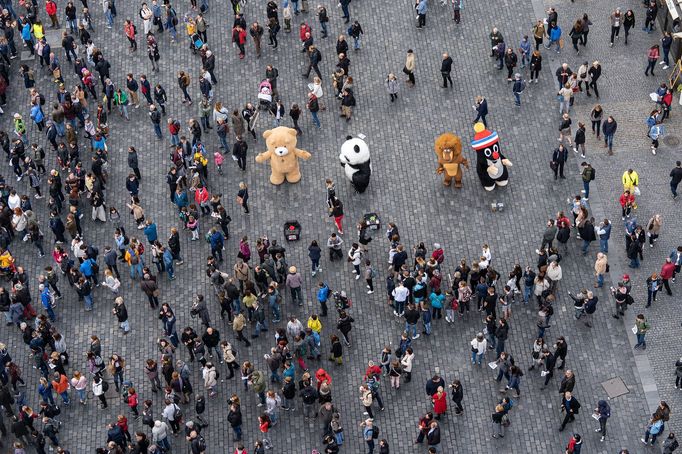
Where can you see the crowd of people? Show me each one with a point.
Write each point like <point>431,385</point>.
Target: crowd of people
<point>425,288</point>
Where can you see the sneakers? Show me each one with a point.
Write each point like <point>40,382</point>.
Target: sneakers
<point>357,277</point>
<point>369,292</point>
<point>396,314</point>
<point>416,336</point>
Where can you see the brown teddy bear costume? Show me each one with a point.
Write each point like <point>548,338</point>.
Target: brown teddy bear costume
<point>283,155</point>
<point>448,148</point>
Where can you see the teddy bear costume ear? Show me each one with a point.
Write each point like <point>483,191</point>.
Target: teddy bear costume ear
<point>267,133</point>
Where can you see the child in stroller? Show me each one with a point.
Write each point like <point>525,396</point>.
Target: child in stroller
<point>265,95</point>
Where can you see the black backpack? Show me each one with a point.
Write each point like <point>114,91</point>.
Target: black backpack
<point>593,174</point>
<point>375,432</point>
<point>105,386</point>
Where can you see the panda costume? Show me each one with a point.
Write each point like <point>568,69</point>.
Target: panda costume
<point>491,165</point>
<point>355,161</point>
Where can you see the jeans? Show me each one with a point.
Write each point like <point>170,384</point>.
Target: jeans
<point>648,434</point>
<point>527,290</point>
<point>323,26</point>
<point>123,110</point>
<point>634,262</point>
<point>136,269</point>
<point>600,280</point>
<point>346,13</point>
<point>296,296</point>
<point>586,187</point>
<point>615,31</point>
<point>237,432</point>
<point>640,340</point>
<point>586,245</point>
<point>604,245</point>
<point>356,43</point>
<point>82,394</point>
<point>608,140</point>
<point>413,328</point>
<point>316,120</point>
<point>475,355</point>
<point>223,143</point>
<point>315,264</point>
<point>125,326</point>
<point>564,106</point>
<point>399,307</point>
<point>88,302</point>
<point>517,98</point>
<point>170,271</point>
<point>157,130</point>
<point>427,328</point>
<point>276,312</point>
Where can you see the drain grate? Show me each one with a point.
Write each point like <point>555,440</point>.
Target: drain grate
<point>671,141</point>
<point>615,387</point>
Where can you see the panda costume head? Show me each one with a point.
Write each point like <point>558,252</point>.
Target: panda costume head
<point>354,159</point>
<point>491,165</point>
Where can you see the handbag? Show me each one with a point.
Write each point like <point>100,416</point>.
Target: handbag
<point>406,71</point>
<point>156,293</point>
<point>553,165</point>
<point>637,191</point>
<point>240,200</point>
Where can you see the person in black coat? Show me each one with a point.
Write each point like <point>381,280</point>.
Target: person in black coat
<point>559,158</point>
<point>446,69</point>
<point>433,384</point>
<point>433,436</point>
<point>571,407</point>
<point>550,362</point>
<point>457,394</point>
<point>587,234</point>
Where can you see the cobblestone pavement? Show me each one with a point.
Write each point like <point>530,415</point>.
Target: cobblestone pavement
<point>405,190</point>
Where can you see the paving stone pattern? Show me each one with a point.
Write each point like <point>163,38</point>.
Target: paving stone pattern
<point>404,189</point>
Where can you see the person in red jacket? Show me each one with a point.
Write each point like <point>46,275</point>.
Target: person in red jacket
<point>239,37</point>
<point>667,273</point>
<point>201,197</point>
<point>132,402</point>
<point>627,202</point>
<point>322,376</point>
<point>440,402</point>
<point>51,10</point>
<point>372,369</point>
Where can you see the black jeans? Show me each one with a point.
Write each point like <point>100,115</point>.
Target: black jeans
<point>446,79</point>
<point>559,170</point>
<point>583,38</point>
<point>615,31</point>
<point>421,20</point>
<point>534,73</point>
<point>593,85</point>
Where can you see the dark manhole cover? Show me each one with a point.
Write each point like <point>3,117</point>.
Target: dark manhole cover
<point>671,141</point>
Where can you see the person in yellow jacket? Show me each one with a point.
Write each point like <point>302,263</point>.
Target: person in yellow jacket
<point>630,181</point>
<point>315,324</point>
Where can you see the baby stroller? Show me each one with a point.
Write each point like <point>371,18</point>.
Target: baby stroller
<point>265,95</point>
<point>127,384</point>
<point>197,43</point>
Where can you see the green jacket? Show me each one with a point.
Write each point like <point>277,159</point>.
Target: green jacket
<point>258,381</point>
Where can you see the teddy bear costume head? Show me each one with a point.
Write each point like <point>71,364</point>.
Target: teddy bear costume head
<point>448,148</point>
<point>355,160</point>
<point>283,155</point>
<point>491,165</point>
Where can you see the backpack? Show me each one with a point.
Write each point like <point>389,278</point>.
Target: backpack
<point>217,374</point>
<point>373,273</point>
<point>105,386</point>
<point>593,174</point>
<point>375,432</point>
<point>42,99</point>
<point>201,443</point>
<point>177,413</point>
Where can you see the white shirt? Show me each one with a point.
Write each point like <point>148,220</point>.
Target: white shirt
<point>400,293</point>
<point>13,201</point>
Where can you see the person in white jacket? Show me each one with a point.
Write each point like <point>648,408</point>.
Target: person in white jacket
<point>406,361</point>
<point>554,274</point>
<point>478,348</point>
<point>160,435</point>
<point>111,282</point>
<point>208,373</point>
<point>355,257</point>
